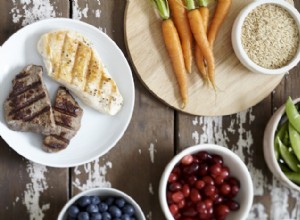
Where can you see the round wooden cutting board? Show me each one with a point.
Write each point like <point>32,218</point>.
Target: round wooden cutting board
<point>238,88</point>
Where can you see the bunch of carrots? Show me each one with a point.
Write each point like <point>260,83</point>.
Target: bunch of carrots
<point>184,24</point>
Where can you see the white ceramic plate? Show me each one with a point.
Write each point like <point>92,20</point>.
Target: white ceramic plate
<point>98,132</point>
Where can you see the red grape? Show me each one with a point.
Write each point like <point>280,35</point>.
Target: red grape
<point>195,195</point>
<point>173,209</point>
<point>233,205</point>
<point>186,190</point>
<point>187,160</point>
<point>225,189</point>
<point>177,196</point>
<point>221,211</point>
<point>175,186</point>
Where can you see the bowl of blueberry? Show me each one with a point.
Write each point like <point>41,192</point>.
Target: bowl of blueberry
<point>206,182</point>
<point>101,204</point>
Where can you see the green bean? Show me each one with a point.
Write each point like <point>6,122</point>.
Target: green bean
<point>286,138</point>
<point>288,157</point>
<point>292,114</point>
<point>281,133</point>
<point>295,140</point>
<point>295,177</point>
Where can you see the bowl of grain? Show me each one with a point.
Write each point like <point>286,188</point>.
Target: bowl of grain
<point>265,37</point>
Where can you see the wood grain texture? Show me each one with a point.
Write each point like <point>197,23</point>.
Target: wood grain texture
<point>154,135</point>
<point>28,190</point>
<point>135,164</point>
<point>237,86</point>
<point>243,134</point>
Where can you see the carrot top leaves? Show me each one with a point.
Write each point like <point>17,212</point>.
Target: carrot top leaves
<point>190,4</point>
<point>163,8</point>
<point>203,3</point>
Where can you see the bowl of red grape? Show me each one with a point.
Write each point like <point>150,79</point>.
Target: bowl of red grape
<point>101,204</point>
<point>206,182</point>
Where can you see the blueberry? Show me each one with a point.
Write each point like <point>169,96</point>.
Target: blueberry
<point>106,216</point>
<point>125,217</point>
<point>84,201</point>
<point>73,211</point>
<point>128,209</point>
<point>110,200</point>
<point>103,207</point>
<point>71,218</point>
<point>83,216</point>
<point>96,216</point>
<point>115,211</point>
<point>120,202</point>
<point>116,219</point>
<point>95,200</point>
<point>92,208</point>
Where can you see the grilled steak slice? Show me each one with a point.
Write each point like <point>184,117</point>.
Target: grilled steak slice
<point>28,107</point>
<point>67,115</point>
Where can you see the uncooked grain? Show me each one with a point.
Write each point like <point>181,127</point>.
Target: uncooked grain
<point>270,36</point>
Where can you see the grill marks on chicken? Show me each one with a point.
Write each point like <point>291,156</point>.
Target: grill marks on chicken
<point>28,106</point>
<point>71,61</point>
<point>67,115</point>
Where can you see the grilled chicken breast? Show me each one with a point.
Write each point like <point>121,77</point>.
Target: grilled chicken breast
<point>28,107</point>
<point>67,115</point>
<point>71,60</point>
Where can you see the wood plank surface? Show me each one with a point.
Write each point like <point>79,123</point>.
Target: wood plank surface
<point>155,134</point>
<point>29,190</point>
<point>135,164</point>
<point>243,134</point>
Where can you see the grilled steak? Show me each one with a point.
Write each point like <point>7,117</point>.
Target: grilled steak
<point>28,107</point>
<point>67,115</point>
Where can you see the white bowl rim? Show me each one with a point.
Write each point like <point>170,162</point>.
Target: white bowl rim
<point>192,150</point>
<point>97,190</point>
<point>278,115</point>
<point>237,29</point>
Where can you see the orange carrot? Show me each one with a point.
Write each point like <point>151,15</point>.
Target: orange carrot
<point>199,33</point>
<point>219,17</point>
<point>181,22</point>
<point>173,46</point>
<point>174,49</point>
<point>204,11</point>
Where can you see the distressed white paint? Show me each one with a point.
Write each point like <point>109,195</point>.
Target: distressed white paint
<point>195,136</point>
<point>34,189</point>
<point>258,212</point>
<point>83,12</point>
<point>95,175</point>
<point>152,151</point>
<point>97,13</point>
<point>211,130</point>
<point>149,215</point>
<point>29,11</point>
<point>151,189</point>
<point>78,12</point>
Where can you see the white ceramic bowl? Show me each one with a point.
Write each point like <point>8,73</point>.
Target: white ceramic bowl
<point>269,152</point>
<point>237,169</point>
<point>102,192</point>
<point>237,42</point>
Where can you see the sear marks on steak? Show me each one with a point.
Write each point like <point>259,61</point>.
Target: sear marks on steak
<point>28,106</point>
<point>67,115</point>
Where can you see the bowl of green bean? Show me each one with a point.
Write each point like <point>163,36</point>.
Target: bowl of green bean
<point>281,144</point>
